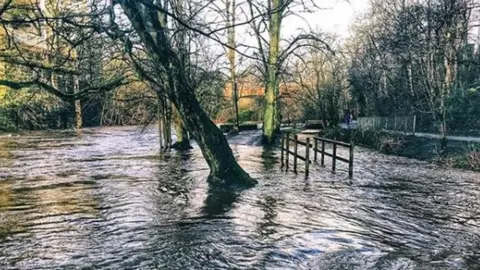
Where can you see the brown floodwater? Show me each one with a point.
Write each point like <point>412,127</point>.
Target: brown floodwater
<point>108,200</point>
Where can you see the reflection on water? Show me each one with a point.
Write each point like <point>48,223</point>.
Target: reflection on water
<point>106,199</point>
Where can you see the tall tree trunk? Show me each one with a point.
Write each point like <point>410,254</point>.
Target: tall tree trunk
<point>183,142</point>
<point>160,123</point>
<point>446,89</point>
<point>77,104</point>
<point>230,5</point>
<point>224,169</point>
<point>271,91</point>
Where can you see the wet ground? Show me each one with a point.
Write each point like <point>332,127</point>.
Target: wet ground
<point>108,200</point>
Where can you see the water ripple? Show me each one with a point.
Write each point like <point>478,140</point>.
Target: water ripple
<point>108,200</point>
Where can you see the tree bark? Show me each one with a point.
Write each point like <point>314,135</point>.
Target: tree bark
<point>183,142</point>
<point>167,122</point>
<point>160,123</point>
<point>77,105</point>
<point>230,5</point>
<point>271,91</point>
<point>224,169</point>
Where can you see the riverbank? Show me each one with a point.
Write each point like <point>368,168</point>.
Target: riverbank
<point>454,154</point>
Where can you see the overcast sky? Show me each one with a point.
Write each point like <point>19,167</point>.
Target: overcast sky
<point>335,16</point>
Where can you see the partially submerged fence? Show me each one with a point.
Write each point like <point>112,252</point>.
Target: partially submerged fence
<point>286,152</point>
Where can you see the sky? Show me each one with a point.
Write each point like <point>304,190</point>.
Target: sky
<point>334,17</point>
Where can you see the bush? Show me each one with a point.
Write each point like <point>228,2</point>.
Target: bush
<point>470,160</point>
<point>25,110</point>
<point>6,123</point>
<point>244,116</point>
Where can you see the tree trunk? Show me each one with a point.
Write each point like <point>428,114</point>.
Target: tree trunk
<point>160,123</point>
<point>445,93</point>
<point>214,146</point>
<point>183,142</point>
<point>278,110</point>
<point>230,5</point>
<point>167,122</point>
<point>180,39</point>
<point>78,105</point>
<point>148,25</point>
<point>271,91</point>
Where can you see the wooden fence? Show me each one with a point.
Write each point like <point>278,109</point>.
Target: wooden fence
<point>286,152</point>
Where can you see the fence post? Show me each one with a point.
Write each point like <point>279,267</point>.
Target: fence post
<point>315,148</point>
<point>307,158</point>
<point>406,122</point>
<point>334,157</point>
<point>323,153</point>
<point>395,123</point>
<point>295,148</point>
<point>414,124</point>
<point>386,123</point>
<point>350,161</point>
<point>287,150</point>
<point>281,146</point>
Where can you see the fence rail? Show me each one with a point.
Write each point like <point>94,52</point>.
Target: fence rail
<point>407,124</point>
<point>419,123</point>
<point>285,153</point>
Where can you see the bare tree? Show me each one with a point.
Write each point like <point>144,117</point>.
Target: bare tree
<point>411,54</point>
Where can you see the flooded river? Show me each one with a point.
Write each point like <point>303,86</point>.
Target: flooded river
<point>108,200</point>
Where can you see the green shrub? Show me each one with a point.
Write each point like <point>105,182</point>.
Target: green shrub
<point>26,110</point>
<point>469,160</point>
<point>6,122</point>
<point>245,116</point>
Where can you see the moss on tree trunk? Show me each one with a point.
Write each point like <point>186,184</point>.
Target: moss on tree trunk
<point>270,116</point>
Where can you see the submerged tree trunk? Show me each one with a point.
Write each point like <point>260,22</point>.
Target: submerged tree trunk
<point>160,124</point>
<point>77,104</point>
<point>148,25</point>
<point>214,145</point>
<point>167,122</point>
<point>183,142</point>
<point>271,91</point>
